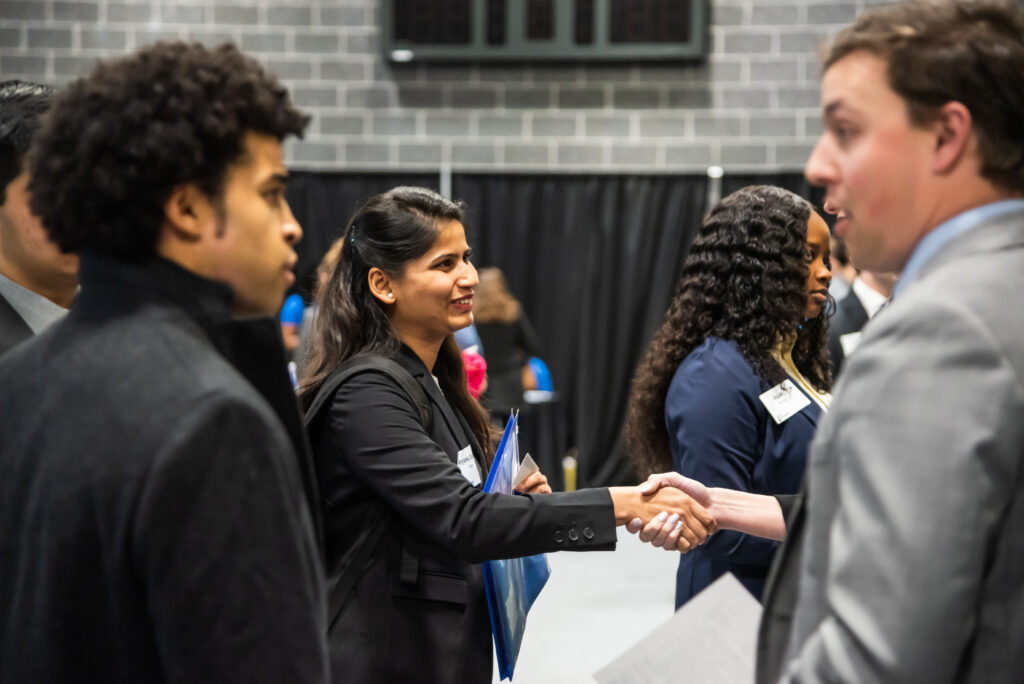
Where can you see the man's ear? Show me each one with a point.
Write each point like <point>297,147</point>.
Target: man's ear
<point>380,285</point>
<point>186,211</point>
<point>952,129</point>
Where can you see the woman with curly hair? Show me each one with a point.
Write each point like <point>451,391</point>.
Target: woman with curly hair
<point>732,386</point>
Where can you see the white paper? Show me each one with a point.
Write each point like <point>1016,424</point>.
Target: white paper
<point>527,468</point>
<point>712,639</point>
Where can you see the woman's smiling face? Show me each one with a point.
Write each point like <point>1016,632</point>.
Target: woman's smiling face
<point>434,295</point>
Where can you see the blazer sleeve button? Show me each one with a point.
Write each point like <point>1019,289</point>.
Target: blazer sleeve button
<point>588,533</point>
<point>559,536</point>
<point>573,534</point>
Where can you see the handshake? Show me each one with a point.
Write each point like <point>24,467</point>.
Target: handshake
<point>668,511</point>
<point>677,513</point>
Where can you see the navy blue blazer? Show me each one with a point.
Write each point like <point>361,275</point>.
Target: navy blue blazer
<point>722,435</point>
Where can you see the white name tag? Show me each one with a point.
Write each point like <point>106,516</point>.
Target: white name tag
<point>784,401</point>
<point>849,342</point>
<point>467,464</point>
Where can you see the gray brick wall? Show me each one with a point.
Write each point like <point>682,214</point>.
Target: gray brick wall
<point>751,106</point>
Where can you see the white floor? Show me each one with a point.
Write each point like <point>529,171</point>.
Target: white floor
<point>594,607</point>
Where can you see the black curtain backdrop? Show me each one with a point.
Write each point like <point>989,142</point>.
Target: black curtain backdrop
<point>594,260</point>
<point>324,202</point>
<point>794,182</point>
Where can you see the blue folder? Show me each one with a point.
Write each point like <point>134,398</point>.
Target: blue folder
<point>513,584</point>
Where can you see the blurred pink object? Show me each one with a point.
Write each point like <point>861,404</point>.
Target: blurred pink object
<point>476,372</point>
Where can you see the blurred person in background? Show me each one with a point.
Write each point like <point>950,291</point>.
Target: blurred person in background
<point>509,341</point>
<point>37,281</point>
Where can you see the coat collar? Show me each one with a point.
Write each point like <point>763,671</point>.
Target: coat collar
<point>457,424</point>
<point>111,287</point>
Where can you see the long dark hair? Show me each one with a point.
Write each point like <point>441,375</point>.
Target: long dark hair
<point>744,280</point>
<point>387,232</point>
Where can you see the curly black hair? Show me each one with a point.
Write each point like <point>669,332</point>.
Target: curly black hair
<point>116,142</point>
<point>744,280</point>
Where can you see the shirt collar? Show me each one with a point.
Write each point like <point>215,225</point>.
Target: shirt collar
<point>942,234</point>
<point>37,311</point>
<point>869,298</point>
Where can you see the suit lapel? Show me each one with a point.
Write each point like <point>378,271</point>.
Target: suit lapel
<point>13,328</point>
<point>855,312</point>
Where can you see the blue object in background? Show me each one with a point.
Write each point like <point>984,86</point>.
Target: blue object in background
<point>292,310</point>
<point>512,584</point>
<point>541,374</point>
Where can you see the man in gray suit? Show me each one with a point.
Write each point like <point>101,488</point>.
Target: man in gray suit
<point>904,559</point>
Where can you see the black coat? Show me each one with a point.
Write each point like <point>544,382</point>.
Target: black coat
<point>418,612</point>
<point>153,522</point>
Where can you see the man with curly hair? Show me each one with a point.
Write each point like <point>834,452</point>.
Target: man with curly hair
<point>903,560</point>
<point>37,281</point>
<point>154,525</point>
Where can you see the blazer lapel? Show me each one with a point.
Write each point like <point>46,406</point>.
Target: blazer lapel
<point>457,425</point>
<point>13,328</point>
<point>857,315</point>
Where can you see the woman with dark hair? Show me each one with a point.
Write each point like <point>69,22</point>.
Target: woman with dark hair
<point>508,341</point>
<point>732,385</point>
<point>405,519</point>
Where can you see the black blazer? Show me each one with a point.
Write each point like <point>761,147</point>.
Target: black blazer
<point>13,328</point>
<point>418,613</point>
<point>849,317</point>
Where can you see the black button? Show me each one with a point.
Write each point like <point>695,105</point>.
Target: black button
<point>559,536</point>
<point>588,533</point>
<point>573,534</point>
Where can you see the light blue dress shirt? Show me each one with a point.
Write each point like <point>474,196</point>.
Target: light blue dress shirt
<point>946,231</point>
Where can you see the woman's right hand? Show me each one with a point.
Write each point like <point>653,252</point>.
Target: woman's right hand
<point>691,523</point>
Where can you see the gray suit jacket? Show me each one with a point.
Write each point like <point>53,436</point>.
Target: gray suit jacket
<point>909,541</point>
